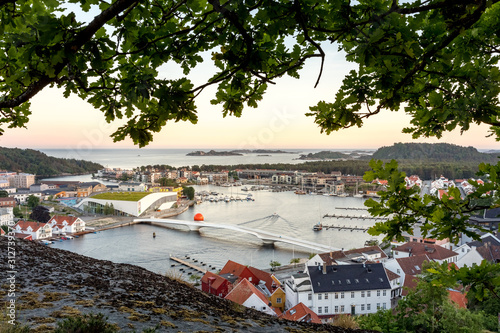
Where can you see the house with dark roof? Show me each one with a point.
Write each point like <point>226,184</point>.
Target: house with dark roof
<point>433,251</point>
<point>340,289</point>
<point>301,313</point>
<point>488,248</point>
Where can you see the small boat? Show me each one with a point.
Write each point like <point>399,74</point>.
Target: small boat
<point>318,226</point>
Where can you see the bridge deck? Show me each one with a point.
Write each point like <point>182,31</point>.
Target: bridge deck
<point>266,237</point>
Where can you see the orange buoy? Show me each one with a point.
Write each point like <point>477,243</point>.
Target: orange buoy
<point>199,217</point>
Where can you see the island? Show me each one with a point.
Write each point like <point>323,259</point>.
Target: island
<point>238,152</point>
<point>213,153</point>
<point>325,155</point>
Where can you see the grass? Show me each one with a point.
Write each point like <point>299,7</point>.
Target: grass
<point>124,196</point>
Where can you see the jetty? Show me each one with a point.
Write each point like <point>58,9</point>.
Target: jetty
<point>346,227</point>
<point>351,217</point>
<point>351,208</point>
<point>188,264</point>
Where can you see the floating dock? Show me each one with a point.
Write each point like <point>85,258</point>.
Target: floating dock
<point>338,216</point>
<point>188,264</point>
<point>351,208</point>
<point>346,227</point>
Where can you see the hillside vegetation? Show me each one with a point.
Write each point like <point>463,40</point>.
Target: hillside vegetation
<point>38,163</point>
<point>437,152</point>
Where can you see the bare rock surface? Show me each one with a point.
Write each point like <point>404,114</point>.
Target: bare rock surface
<point>52,284</point>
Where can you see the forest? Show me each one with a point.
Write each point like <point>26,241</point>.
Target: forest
<point>37,163</point>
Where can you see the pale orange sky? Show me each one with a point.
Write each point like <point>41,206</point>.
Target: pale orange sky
<point>278,122</point>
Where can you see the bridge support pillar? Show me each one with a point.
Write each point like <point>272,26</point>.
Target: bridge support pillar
<point>194,227</point>
<point>268,241</point>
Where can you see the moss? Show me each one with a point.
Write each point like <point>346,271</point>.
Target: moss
<point>136,316</point>
<point>159,310</point>
<point>126,309</point>
<point>144,304</point>
<point>43,320</point>
<point>167,324</point>
<point>197,320</point>
<point>85,302</point>
<point>66,311</point>
<point>53,296</point>
<point>42,329</point>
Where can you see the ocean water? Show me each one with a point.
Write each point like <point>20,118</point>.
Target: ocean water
<point>132,158</point>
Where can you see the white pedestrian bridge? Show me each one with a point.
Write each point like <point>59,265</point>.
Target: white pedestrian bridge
<point>266,237</point>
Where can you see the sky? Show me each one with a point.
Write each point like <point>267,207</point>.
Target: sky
<point>278,122</point>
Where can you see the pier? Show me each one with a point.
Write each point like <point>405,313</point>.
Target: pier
<point>351,208</point>
<point>188,264</point>
<point>362,217</point>
<point>346,227</point>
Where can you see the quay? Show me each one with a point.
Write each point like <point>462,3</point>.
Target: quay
<point>346,227</point>
<point>362,217</point>
<point>188,264</point>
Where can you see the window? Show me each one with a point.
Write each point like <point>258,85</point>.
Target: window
<point>368,307</point>
<point>368,293</point>
<point>384,292</point>
<point>384,306</point>
<point>378,306</point>
<point>320,309</point>
<point>362,294</point>
<point>362,307</point>
<point>352,294</point>
<point>342,309</point>
<point>378,292</point>
<point>342,295</point>
<point>326,309</point>
<point>309,297</point>
<point>319,297</point>
<point>399,271</point>
<point>336,295</point>
<point>326,296</point>
<point>336,309</point>
<point>278,300</point>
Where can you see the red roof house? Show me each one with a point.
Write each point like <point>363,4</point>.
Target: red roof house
<point>301,313</point>
<point>215,284</point>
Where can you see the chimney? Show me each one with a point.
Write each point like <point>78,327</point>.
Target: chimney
<point>324,268</point>
<point>331,254</point>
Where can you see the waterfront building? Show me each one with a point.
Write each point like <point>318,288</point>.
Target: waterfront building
<point>66,224</point>
<point>88,188</point>
<point>123,204</point>
<point>287,178</point>
<point>214,284</point>
<point>340,289</point>
<point>35,230</point>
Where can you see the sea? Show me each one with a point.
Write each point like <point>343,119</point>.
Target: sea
<point>281,213</point>
<point>132,158</point>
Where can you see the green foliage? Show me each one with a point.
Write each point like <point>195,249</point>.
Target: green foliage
<point>189,192</point>
<point>440,63</point>
<point>17,212</point>
<point>38,163</point>
<point>89,323</point>
<point>440,218</point>
<point>324,155</point>
<point>427,309</point>
<point>274,264</point>
<point>167,182</point>
<point>33,201</point>
<point>40,214</point>
<point>4,194</point>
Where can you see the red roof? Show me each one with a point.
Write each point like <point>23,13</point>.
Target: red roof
<point>412,265</point>
<point>23,236</point>
<point>301,313</point>
<point>391,275</point>
<point>433,251</point>
<point>217,282</point>
<point>330,257</point>
<point>243,291</point>
<point>410,283</point>
<point>232,267</point>
<point>458,298</point>
<point>59,219</point>
<point>25,224</point>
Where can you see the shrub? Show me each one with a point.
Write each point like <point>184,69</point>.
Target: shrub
<point>89,323</point>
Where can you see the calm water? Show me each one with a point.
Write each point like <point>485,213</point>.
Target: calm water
<point>131,158</point>
<point>296,215</point>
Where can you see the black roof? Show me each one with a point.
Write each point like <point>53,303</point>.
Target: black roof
<point>488,239</point>
<point>348,278</point>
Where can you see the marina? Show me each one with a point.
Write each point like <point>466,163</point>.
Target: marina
<point>351,217</point>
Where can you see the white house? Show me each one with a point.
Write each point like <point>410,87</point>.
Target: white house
<point>488,248</point>
<point>132,187</point>
<point>36,230</point>
<point>246,294</point>
<point>6,215</point>
<point>340,289</point>
<point>66,224</point>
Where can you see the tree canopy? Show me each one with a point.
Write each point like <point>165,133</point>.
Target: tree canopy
<point>438,58</point>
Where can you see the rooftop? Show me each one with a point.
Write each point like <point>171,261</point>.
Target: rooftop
<point>123,196</point>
